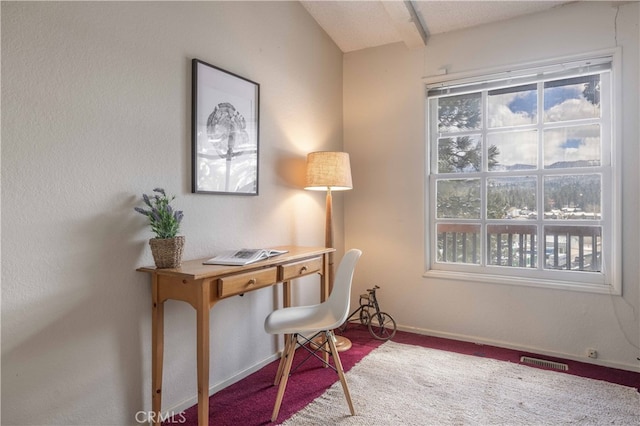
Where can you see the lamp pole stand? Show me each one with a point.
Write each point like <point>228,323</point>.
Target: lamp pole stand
<point>328,235</point>
<point>341,342</point>
<point>329,170</point>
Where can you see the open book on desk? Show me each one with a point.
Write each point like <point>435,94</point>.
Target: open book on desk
<point>243,256</point>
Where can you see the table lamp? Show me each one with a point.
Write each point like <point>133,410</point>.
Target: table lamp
<point>330,171</point>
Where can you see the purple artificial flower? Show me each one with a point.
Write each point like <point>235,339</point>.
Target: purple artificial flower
<point>141,211</point>
<point>163,219</point>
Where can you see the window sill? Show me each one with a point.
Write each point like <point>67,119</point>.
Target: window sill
<point>521,281</point>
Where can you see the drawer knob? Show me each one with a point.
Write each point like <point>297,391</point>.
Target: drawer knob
<point>251,282</point>
<point>303,269</point>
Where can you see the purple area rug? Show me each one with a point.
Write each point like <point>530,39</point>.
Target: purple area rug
<point>250,401</point>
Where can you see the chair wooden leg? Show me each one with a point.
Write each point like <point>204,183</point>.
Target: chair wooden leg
<point>283,359</point>
<point>338,365</point>
<point>290,352</point>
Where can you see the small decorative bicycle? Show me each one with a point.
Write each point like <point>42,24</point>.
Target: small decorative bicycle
<point>381,325</point>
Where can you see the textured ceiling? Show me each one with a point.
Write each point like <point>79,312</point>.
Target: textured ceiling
<point>355,25</point>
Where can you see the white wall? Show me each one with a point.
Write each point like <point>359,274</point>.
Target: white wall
<point>96,110</point>
<point>385,135</point>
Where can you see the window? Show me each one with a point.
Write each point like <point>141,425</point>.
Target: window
<point>521,177</point>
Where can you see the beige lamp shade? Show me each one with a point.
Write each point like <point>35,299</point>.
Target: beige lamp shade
<point>328,170</point>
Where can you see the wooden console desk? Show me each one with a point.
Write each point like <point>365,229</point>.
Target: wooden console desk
<point>202,286</point>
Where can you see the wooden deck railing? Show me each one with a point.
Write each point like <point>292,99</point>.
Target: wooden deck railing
<point>582,247</point>
<point>566,247</point>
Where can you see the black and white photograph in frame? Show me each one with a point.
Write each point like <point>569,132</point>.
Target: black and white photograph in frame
<point>225,118</point>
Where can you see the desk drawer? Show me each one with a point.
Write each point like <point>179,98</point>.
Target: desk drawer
<point>301,268</point>
<point>248,281</point>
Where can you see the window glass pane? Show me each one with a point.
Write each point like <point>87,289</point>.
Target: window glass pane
<point>459,113</point>
<point>512,245</point>
<point>513,150</point>
<point>577,146</point>
<point>517,169</point>
<point>513,106</point>
<point>577,248</point>
<point>458,198</point>
<point>511,198</point>
<point>572,98</point>
<point>462,154</point>
<point>458,243</point>
<point>573,197</point>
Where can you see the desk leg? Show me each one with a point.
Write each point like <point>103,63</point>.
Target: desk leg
<point>325,287</point>
<point>157,350</point>
<point>325,278</point>
<point>203,355</point>
<point>286,294</point>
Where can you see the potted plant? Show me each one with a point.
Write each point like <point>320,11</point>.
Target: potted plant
<point>167,246</point>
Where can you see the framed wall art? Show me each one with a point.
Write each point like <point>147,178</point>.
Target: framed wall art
<point>224,131</point>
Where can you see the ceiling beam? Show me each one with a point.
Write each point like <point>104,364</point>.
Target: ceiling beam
<point>407,22</point>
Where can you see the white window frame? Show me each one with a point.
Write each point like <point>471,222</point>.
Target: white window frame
<point>606,282</point>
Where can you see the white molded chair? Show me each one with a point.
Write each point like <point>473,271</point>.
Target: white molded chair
<point>300,321</point>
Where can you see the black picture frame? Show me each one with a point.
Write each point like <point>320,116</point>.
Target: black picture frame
<point>225,117</point>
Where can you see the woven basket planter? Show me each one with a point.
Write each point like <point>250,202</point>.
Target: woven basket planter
<point>167,252</point>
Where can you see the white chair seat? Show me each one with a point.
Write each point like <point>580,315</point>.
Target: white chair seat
<point>301,319</point>
<point>321,318</point>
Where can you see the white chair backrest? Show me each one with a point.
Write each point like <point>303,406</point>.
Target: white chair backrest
<point>341,293</point>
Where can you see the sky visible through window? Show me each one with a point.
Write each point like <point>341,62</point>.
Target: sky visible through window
<point>562,103</point>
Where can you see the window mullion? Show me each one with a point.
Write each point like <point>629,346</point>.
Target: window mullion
<point>483,180</point>
<point>541,243</point>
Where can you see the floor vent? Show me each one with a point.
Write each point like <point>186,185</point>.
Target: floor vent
<point>544,363</point>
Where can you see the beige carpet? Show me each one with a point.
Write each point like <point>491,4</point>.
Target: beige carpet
<point>399,384</point>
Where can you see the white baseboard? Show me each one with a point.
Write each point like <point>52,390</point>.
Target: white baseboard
<point>507,345</point>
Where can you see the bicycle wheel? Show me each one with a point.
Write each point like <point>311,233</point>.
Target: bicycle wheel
<point>365,317</point>
<point>382,326</point>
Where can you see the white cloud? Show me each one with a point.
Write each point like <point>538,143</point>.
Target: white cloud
<point>572,109</point>
<point>516,147</point>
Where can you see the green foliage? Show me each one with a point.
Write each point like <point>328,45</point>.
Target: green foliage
<point>591,90</point>
<point>458,155</point>
<point>459,112</point>
<point>458,198</point>
<point>463,154</point>
<point>164,221</point>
